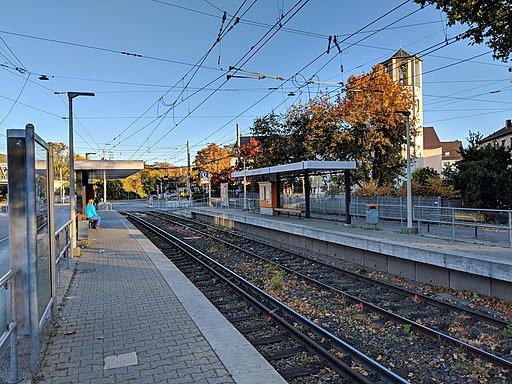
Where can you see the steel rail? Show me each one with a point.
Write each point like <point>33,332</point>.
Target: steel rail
<point>376,368</point>
<point>432,333</point>
<point>354,275</point>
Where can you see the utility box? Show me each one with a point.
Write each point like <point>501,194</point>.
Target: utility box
<point>372,214</point>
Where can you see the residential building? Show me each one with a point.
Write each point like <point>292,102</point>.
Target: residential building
<point>501,137</point>
<point>439,154</point>
<point>451,152</point>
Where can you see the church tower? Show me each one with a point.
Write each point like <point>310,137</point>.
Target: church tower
<point>406,69</point>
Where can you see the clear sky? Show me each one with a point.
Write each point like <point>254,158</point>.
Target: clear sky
<point>169,86</point>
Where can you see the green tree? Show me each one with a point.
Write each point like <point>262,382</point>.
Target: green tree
<point>61,163</point>
<point>422,175</point>
<point>428,182</point>
<point>274,140</point>
<point>484,175</point>
<point>487,21</point>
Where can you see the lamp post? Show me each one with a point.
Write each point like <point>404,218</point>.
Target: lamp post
<point>408,154</point>
<point>245,186</point>
<point>71,96</point>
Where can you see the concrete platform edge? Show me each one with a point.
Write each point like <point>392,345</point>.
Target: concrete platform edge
<point>239,357</point>
<point>478,264</point>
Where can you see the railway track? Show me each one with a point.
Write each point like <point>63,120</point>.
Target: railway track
<point>300,350</point>
<point>414,312</point>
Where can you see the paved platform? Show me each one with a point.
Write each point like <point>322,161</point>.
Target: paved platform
<point>131,317</point>
<point>460,265</point>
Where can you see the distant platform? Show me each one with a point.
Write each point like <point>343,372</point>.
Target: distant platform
<point>463,266</point>
<point>111,169</point>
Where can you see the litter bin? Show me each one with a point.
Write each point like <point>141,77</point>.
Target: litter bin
<point>372,214</point>
<point>82,227</point>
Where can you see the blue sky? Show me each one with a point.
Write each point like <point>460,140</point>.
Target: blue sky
<point>147,107</point>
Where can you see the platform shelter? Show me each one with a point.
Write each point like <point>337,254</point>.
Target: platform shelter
<point>271,177</point>
<point>87,171</point>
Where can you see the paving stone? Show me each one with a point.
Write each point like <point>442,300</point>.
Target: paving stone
<point>119,306</point>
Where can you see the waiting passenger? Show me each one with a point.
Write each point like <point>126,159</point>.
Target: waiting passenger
<point>91,213</point>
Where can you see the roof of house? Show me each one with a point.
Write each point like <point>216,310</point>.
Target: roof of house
<point>451,150</point>
<point>430,138</point>
<point>506,130</point>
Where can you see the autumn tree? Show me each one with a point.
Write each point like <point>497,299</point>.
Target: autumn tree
<point>487,21</point>
<point>361,126</point>
<point>373,134</point>
<point>251,152</point>
<point>217,162</point>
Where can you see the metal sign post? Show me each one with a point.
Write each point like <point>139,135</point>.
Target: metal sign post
<point>30,230</point>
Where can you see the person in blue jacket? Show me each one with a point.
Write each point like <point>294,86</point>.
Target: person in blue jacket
<point>91,213</point>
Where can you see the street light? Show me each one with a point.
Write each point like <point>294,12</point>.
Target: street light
<point>71,96</point>
<point>408,154</point>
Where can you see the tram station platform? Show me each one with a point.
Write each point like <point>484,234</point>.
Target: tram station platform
<point>478,267</point>
<point>130,316</point>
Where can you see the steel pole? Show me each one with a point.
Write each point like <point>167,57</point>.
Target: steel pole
<point>61,186</point>
<point>245,188</point>
<point>188,173</point>
<point>409,188</point>
<point>72,212</point>
<point>104,179</point>
<point>31,214</point>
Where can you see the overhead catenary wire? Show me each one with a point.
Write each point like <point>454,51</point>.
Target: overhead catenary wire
<point>241,61</point>
<point>197,66</point>
<point>314,61</point>
<point>16,101</point>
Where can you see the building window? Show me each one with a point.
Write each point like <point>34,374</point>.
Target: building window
<point>402,73</point>
<point>503,142</point>
<point>417,73</point>
<point>447,153</point>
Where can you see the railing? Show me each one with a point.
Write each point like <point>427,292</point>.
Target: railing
<point>251,204</point>
<point>172,204</point>
<point>495,224</point>
<point>450,222</point>
<point>62,245</point>
<point>9,336</point>
<point>105,206</point>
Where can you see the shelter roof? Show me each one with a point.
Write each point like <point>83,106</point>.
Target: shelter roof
<point>298,168</point>
<point>113,169</point>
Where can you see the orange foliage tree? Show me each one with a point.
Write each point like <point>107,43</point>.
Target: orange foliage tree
<point>217,162</point>
<point>362,125</point>
<point>374,133</point>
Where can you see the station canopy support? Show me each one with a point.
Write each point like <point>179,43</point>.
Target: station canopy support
<point>306,169</point>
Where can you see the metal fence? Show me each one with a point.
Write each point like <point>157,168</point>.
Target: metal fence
<point>485,224</point>
<point>442,217</point>
<point>62,247</point>
<point>8,340</point>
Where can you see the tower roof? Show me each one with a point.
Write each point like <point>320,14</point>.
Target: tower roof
<point>400,53</point>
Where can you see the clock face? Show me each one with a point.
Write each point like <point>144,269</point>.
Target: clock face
<point>402,67</point>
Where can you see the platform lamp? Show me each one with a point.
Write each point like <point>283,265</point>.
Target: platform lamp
<point>71,96</point>
<point>407,114</point>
